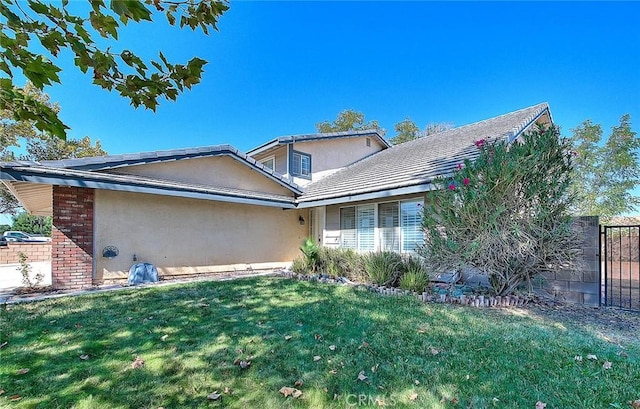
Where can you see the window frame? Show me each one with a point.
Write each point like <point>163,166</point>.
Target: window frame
<point>271,158</point>
<point>295,172</point>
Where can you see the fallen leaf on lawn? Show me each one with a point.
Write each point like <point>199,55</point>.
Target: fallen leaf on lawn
<point>592,357</point>
<point>317,358</point>
<point>417,382</point>
<point>332,347</point>
<point>333,371</point>
<point>84,357</point>
<point>164,337</point>
<point>287,391</point>
<point>1,391</point>
<point>3,344</point>
<point>635,404</point>
<point>318,337</point>
<point>298,383</point>
<point>413,396</point>
<point>422,330</point>
<point>577,358</point>
<point>495,401</point>
<point>622,354</point>
<point>22,371</point>
<point>227,390</point>
<point>245,364</point>
<point>606,365</point>
<point>129,318</point>
<point>214,396</point>
<point>467,377</point>
<point>203,305</point>
<point>362,376</point>
<point>15,397</point>
<point>299,323</point>
<point>375,367</point>
<point>137,363</point>
<point>78,325</point>
<point>540,405</point>
<point>287,337</point>
<point>433,351</point>
<point>363,345</point>
<point>238,350</point>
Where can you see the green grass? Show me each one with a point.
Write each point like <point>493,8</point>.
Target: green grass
<point>485,358</point>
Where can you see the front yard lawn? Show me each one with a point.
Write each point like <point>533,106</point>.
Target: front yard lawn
<point>342,347</point>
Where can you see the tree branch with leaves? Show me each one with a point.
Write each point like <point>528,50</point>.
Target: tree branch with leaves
<point>35,24</point>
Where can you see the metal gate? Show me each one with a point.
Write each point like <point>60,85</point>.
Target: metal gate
<point>620,266</point>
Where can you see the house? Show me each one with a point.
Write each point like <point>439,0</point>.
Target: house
<point>214,209</point>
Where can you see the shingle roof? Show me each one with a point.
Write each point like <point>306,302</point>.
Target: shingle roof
<point>98,163</point>
<point>317,136</point>
<point>420,161</point>
<point>16,172</point>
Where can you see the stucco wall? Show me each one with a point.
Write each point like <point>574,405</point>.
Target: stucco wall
<point>336,153</point>
<point>220,171</point>
<point>189,236</point>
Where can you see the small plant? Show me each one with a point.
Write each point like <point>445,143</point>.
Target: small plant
<point>382,267</point>
<point>25,270</point>
<point>414,279</point>
<point>299,266</point>
<point>339,262</point>
<point>310,250</point>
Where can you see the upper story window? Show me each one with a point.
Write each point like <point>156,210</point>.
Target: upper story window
<point>301,164</point>
<point>269,162</point>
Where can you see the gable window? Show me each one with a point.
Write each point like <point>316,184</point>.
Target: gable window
<point>301,164</point>
<point>269,162</point>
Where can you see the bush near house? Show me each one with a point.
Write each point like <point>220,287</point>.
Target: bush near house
<point>506,213</point>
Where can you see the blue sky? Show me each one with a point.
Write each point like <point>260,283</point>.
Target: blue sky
<point>277,68</point>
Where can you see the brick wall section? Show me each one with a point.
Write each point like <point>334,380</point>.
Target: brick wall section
<point>583,287</point>
<point>72,234</point>
<point>33,251</point>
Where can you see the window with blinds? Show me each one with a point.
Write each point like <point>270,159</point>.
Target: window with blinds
<point>348,228</point>
<point>366,227</point>
<point>389,226</point>
<point>398,224</point>
<point>411,225</point>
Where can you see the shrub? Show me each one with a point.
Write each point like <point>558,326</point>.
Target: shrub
<point>382,267</point>
<point>340,262</point>
<point>506,213</point>
<point>299,266</point>
<point>310,250</point>
<point>414,279</point>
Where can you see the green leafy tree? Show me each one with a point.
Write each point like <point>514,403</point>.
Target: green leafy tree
<point>349,120</point>
<point>28,223</point>
<point>505,214</point>
<point>605,173</point>
<point>35,25</point>
<point>407,130</point>
<point>39,145</point>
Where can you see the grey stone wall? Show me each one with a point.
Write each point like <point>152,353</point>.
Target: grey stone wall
<point>582,287</point>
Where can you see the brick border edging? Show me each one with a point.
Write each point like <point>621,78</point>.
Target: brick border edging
<point>479,301</point>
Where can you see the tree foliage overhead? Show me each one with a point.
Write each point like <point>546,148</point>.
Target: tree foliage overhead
<point>349,120</point>
<point>606,173</point>
<point>505,214</point>
<point>31,25</point>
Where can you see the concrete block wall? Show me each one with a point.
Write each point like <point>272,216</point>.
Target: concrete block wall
<point>34,252</point>
<point>72,237</point>
<point>583,287</point>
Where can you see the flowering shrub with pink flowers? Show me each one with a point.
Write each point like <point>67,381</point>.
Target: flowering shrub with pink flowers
<point>506,213</point>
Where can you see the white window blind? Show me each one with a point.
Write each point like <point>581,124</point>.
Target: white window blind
<point>365,217</point>
<point>411,225</point>
<point>348,228</point>
<point>389,226</point>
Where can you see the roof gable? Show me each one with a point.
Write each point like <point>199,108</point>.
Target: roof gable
<point>283,140</point>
